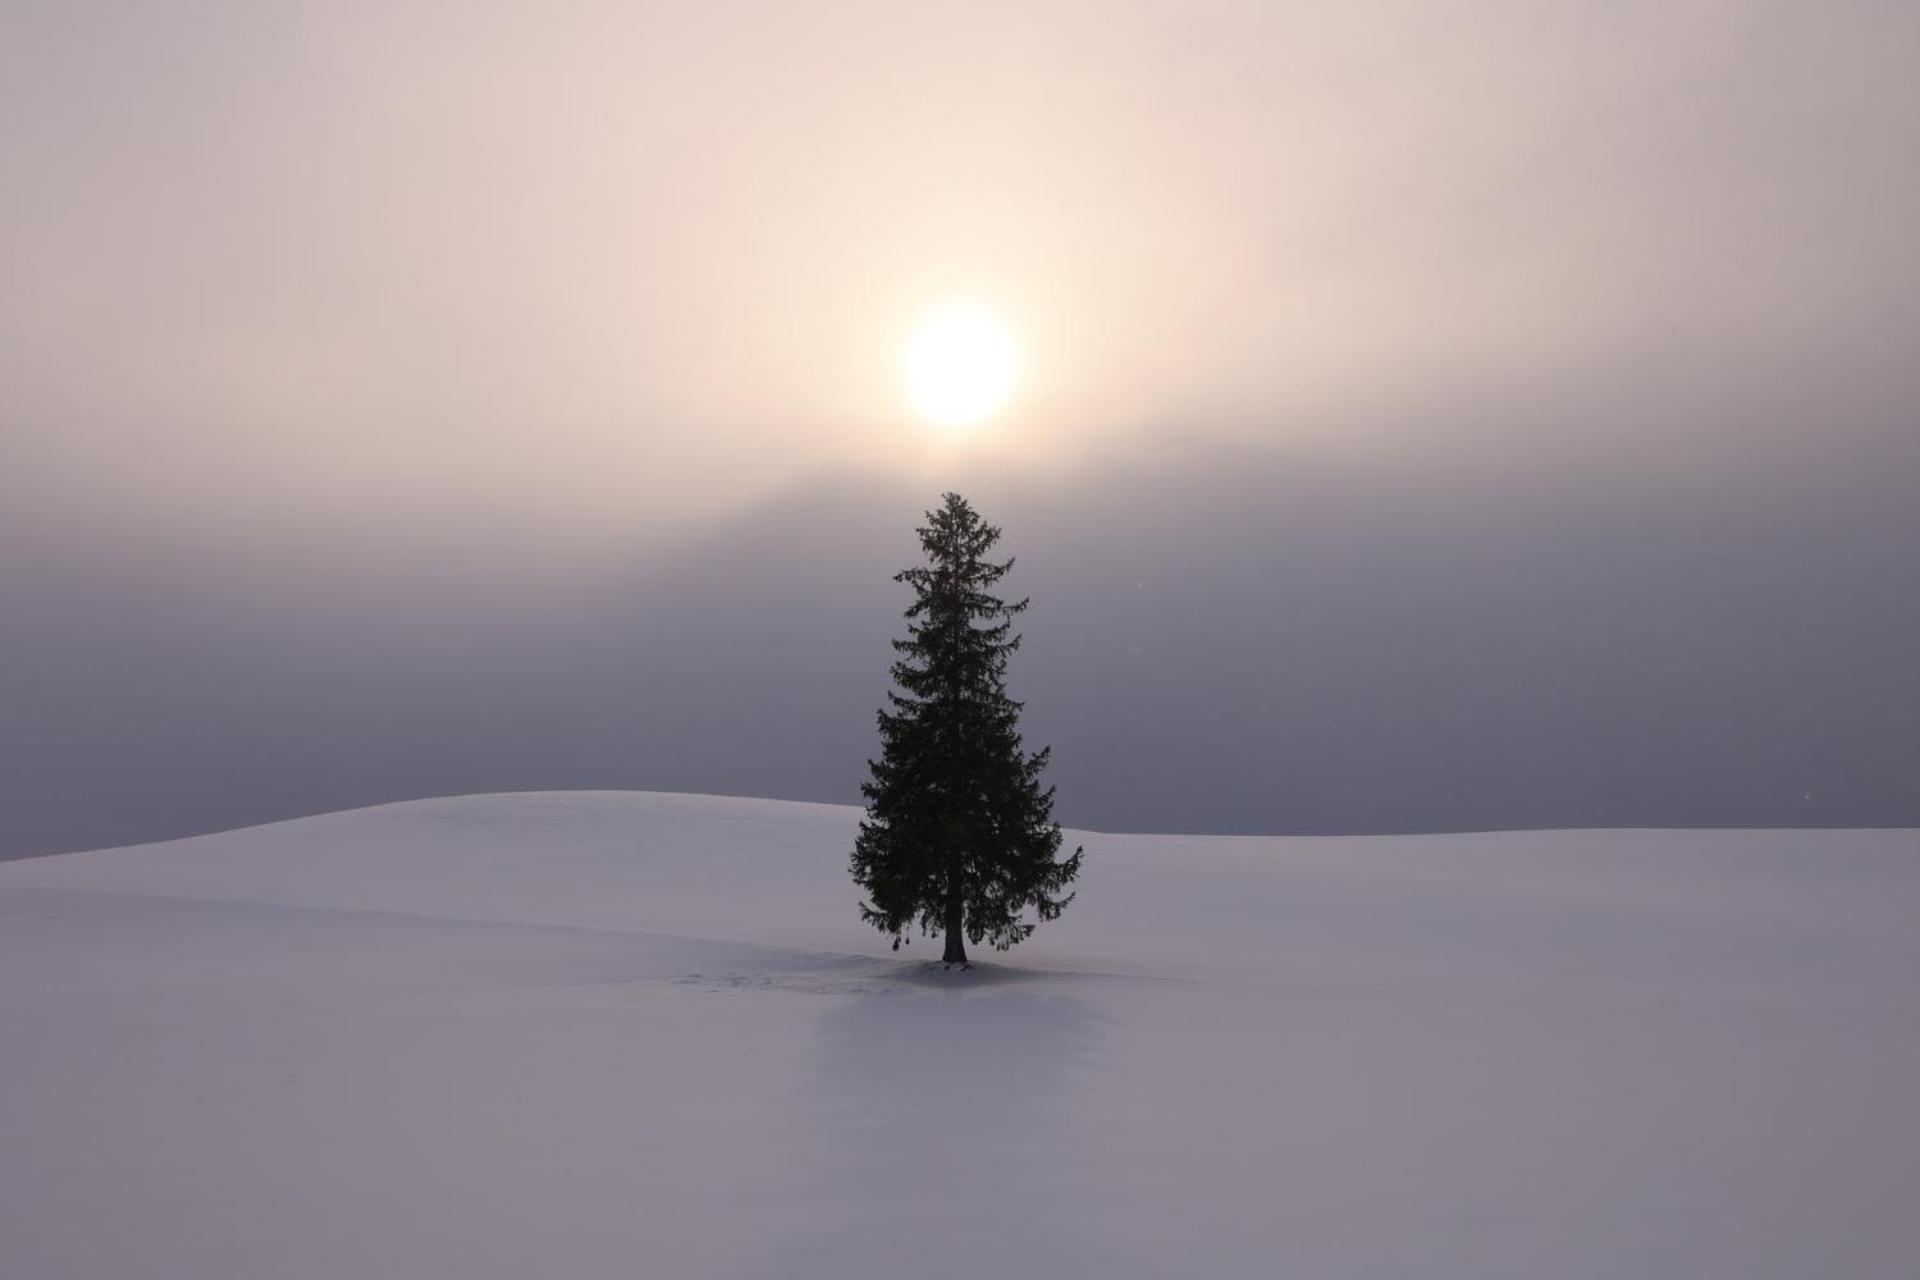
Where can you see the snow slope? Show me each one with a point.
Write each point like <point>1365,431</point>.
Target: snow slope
<point>617,1034</point>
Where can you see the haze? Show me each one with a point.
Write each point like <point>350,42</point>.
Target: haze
<point>1430,418</point>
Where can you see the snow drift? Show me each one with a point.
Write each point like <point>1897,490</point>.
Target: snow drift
<point>646,1035</point>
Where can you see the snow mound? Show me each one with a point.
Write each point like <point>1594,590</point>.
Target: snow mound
<point>583,1034</point>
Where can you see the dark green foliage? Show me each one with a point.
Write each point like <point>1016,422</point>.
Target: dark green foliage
<point>959,832</point>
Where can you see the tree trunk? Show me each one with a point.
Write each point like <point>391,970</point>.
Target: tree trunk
<point>956,940</point>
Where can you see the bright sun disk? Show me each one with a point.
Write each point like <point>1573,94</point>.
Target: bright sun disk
<point>960,366</point>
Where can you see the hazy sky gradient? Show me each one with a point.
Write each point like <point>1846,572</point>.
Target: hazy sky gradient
<point>1457,415</point>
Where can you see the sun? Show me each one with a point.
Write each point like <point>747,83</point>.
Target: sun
<point>961,365</point>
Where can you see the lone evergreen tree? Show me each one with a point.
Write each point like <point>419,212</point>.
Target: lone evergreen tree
<point>959,832</point>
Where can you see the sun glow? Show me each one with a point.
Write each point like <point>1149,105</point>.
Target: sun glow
<point>960,366</point>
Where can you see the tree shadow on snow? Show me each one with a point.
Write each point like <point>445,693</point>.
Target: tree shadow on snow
<point>941,977</point>
<point>947,1123</point>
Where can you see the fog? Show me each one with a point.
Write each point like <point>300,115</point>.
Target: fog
<point>1498,416</point>
<point>1274,646</point>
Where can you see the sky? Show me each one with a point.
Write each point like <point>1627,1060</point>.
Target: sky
<point>1428,417</point>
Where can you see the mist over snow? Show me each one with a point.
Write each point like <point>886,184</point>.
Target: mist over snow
<point>1291,646</point>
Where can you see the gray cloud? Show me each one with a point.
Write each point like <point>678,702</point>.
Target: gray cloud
<point>1492,415</point>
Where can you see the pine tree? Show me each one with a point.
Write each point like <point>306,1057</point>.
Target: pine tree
<point>959,832</point>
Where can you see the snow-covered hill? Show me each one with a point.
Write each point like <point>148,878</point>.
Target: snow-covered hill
<point>625,1034</point>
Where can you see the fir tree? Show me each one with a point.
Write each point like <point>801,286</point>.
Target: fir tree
<point>959,832</point>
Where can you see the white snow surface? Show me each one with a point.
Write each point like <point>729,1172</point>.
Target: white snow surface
<point>641,1035</point>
